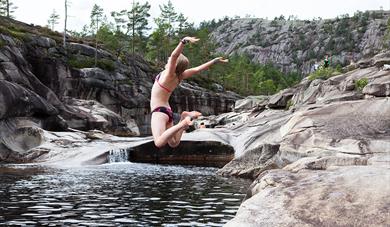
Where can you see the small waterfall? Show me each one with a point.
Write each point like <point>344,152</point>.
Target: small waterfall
<point>118,155</point>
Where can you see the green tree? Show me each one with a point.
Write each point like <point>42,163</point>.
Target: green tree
<point>96,18</point>
<point>85,31</point>
<point>257,78</point>
<point>243,68</point>
<point>168,17</point>
<point>170,24</point>
<point>386,37</point>
<point>182,24</point>
<point>65,22</point>
<point>53,19</point>
<point>134,21</point>
<point>158,44</point>
<point>107,35</point>
<point>267,87</point>
<point>120,20</point>
<point>7,8</point>
<point>165,29</point>
<point>202,51</point>
<point>138,18</point>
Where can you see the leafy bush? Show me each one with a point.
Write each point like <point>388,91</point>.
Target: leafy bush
<point>88,62</point>
<point>2,43</point>
<point>45,31</point>
<point>361,83</point>
<point>22,36</point>
<point>106,64</point>
<point>323,73</point>
<point>81,62</point>
<point>290,103</point>
<point>267,87</point>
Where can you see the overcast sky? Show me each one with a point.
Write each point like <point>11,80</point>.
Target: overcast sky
<point>38,11</point>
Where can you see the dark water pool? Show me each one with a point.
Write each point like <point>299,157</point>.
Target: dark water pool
<point>125,194</point>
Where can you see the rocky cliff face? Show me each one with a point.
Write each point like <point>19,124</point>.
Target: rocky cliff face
<point>124,89</point>
<point>298,45</point>
<point>60,79</point>
<point>319,153</point>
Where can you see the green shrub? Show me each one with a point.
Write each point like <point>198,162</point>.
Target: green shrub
<point>290,103</point>
<point>22,36</point>
<point>88,62</point>
<point>339,68</point>
<point>48,32</point>
<point>274,23</point>
<point>2,43</point>
<point>106,64</point>
<point>19,35</point>
<point>323,73</point>
<point>18,28</point>
<point>81,62</point>
<point>361,83</point>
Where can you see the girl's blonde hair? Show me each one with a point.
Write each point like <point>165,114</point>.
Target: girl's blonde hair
<point>181,65</point>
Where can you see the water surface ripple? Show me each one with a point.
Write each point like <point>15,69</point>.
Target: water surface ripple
<point>125,194</point>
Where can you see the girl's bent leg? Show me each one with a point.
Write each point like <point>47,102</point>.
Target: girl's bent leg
<point>161,134</point>
<point>187,118</point>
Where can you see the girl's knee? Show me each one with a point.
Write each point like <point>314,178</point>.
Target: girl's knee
<point>174,144</point>
<point>159,144</point>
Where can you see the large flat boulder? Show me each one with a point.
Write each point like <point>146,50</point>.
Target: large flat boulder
<point>93,115</point>
<point>350,128</point>
<point>341,196</point>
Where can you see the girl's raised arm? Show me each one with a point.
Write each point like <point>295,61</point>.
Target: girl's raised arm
<point>171,65</point>
<point>189,72</point>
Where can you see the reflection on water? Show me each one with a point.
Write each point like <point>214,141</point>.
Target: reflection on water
<point>125,194</point>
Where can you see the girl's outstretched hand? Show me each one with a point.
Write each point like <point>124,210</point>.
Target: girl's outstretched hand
<point>191,39</point>
<point>221,59</point>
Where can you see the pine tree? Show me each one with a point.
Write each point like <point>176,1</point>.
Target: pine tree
<point>7,8</point>
<point>138,21</point>
<point>160,42</point>
<point>168,17</point>
<point>65,23</point>
<point>120,20</point>
<point>182,23</point>
<point>53,19</point>
<point>96,18</point>
<point>135,22</point>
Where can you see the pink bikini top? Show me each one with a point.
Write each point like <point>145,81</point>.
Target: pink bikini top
<point>162,86</point>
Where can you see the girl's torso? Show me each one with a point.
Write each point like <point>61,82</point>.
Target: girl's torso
<point>162,89</point>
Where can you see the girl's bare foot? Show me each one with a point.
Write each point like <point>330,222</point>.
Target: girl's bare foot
<point>193,115</point>
<point>186,122</point>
